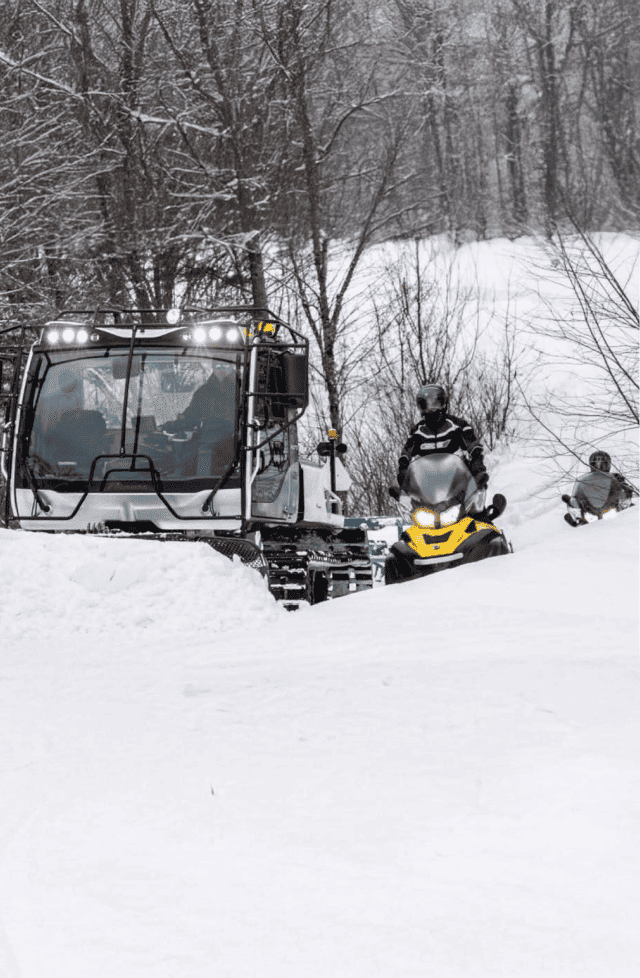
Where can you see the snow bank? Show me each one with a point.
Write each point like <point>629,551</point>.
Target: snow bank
<point>59,587</point>
<point>437,778</point>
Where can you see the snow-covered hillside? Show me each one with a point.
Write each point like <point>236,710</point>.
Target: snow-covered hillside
<point>432,780</point>
<point>520,284</point>
<point>437,778</point>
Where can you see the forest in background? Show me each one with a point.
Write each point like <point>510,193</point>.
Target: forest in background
<point>154,153</point>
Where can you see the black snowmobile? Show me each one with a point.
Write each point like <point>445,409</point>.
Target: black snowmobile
<point>450,523</point>
<point>597,495</point>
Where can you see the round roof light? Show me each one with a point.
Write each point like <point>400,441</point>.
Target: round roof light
<point>199,335</point>
<point>82,336</point>
<point>215,333</point>
<point>53,336</point>
<point>232,335</point>
<point>68,335</point>
<point>173,316</point>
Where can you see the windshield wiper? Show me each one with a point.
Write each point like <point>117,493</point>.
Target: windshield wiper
<point>34,489</point>
<point>224,478</point>
<point>123,430</point>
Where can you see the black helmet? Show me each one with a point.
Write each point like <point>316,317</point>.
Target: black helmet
<point>431,398</point>
<point>432,402</point>
<point>600,462</point>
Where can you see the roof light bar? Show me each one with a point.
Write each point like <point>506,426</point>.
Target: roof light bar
<point>68,336</point>
<point>213,331</point>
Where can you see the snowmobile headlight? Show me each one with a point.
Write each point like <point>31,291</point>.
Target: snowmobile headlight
<point>450,515</point>
<point>68,335</point>
<point>199,335</point>
<point>424,517</point>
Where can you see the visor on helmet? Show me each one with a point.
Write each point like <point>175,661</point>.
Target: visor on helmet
<point>600,461</point>
<point>431,400</point>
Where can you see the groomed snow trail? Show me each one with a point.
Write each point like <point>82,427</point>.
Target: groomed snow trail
<point>438,778</point>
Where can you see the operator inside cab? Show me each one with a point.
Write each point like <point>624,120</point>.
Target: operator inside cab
<point>213,401</point>
<point>210,415</point>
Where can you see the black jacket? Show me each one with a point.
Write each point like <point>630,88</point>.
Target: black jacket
<point>214,401</point>
<point>454,436</point>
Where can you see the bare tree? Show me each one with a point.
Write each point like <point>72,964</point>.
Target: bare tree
<point>429,330</point>
<point>596,344</point>
<point>348,130</point>
<point>608,32</point>
<point>99,201</point>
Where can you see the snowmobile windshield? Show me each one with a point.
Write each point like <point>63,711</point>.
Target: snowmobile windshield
<point>440,483</point>
<point>179,411</point>
<point>597,492</point>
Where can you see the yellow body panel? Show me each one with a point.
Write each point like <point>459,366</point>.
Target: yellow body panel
<point>425,542</point>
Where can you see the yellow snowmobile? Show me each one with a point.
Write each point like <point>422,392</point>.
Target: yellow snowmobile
<point>450,523</point>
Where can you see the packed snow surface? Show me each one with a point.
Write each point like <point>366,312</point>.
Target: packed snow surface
<point>438,778</point>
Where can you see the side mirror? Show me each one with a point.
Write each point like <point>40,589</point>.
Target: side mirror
<point>296,379</point>
<point>325,448</point>
<point>286,381</point>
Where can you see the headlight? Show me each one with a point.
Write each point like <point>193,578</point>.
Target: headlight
<point>199,335</point>
<point>450,515</point>
<point>215,333</point>
<point>68,335</point>
<point>424,517</point>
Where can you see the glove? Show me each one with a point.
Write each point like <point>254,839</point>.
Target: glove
<point>626,486</point>
<point>482,479</point>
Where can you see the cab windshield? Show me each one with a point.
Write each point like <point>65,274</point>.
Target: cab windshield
<point>180,413</point>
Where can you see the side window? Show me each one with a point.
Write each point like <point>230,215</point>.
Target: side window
<point>275,460</point>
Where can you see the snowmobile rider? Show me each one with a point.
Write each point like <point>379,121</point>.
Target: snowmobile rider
<point>600,462</point>
<point>439,431</point>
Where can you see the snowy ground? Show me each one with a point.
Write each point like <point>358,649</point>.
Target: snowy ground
<point>434,779</point>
